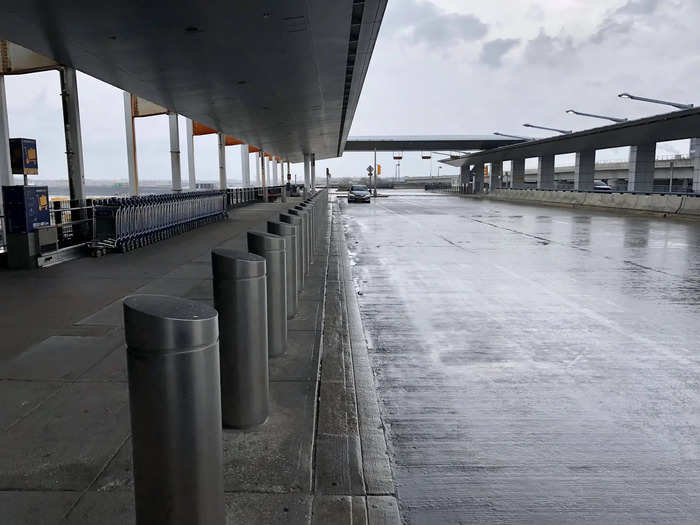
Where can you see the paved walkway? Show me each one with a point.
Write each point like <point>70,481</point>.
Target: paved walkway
<point>66,449</point>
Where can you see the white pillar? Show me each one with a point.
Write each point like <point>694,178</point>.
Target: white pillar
<point>584,170</point>
<point>175,152</point>
<point>264,166</point>
<point>190,156</point>
<point>694,156</point>
<point>545,172</point>
<point>313,171</point>
<point>222,161</point>
<point>131,146</point>
<point>258,161</point>
<point>71,126</point>
<point>641,168</point>
<point>275,176</point>
<point>5,168</point>
<point>267,170</point>
<point>245,165</point>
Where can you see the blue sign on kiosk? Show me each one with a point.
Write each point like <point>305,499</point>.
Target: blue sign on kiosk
<point>23,157</point>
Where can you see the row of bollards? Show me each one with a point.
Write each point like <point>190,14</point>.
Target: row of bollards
<point>193,369</point>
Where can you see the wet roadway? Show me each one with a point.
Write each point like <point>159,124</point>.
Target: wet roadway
<point>534,364</point>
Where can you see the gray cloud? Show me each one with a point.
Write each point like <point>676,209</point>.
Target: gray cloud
<point>638,7</point>
<point>422,22</point>
<point>493,51</point>
<point>552,51</point>
<point>623,20</point>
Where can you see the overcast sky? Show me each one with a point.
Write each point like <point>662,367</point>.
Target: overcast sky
<point>439,67</point>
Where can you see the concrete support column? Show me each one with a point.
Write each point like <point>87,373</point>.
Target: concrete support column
<point>245,165</point>
<point>258,160</point>
<point>694,156</point>
<point>545,172</point>
<point>313,173</point>
<point>307,170</point>
<point>222,161</point>
<point>517,174</point>
<point>275,173</point>
<point>5,168</point>
<point>267,175</point>
<point>463,178</point>
<point>190,156</point>
<point>175,152</point>
<point>71,126</point>
<point>479,177</point>
<point>131,145</point>
<point>264,168</point>
<point>584,170</point>
<point>496,175</point>
<point>641,168</point>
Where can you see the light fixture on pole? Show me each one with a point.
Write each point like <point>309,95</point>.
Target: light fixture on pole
<point>512,136</point>
<point>656,101</point>
<point>562,131</point>
<point>593,115</point>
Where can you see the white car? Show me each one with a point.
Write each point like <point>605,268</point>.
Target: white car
<point>358,193</point>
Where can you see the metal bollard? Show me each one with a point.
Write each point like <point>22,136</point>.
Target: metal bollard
<point>273,249</point>
<point>309,231</point>
<point>288,231</point>
<point>309,206</point>
<point>304,216</point>
<point>175,403</point>
<point>295,221</point>
<point>240,296</point>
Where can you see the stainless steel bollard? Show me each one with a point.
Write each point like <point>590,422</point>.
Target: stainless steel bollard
<point>309,229</point>
<point>175,402</point>
<point>289,232</point>
<point>311,208</point>
<point>301,213</point>
<point>295,221</point>
<point>240,296</point>
<point>273,249</point>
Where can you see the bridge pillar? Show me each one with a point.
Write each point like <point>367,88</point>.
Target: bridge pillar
<point>517,174</point>
<point>496,175</point>
<point>479,177</point>
<point>245,165</point>
<point>584,170</point>
<point>222,161</point>
<point>641,168</point>
<point>5,169</point>
<point>74,140</point>
<point>545,172</point>
<point>694,157</point>
<point>175,152</point>
<point>190,156</point>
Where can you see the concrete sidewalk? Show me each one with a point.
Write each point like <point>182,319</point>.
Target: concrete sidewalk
<point>66,449</point>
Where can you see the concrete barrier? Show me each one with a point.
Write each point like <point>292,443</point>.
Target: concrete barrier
<point>682,205</point>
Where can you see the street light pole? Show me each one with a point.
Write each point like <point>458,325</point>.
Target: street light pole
<point>512,136</point>
<point>593,115</point>
<point>656,101</point>
<point>562,131</point>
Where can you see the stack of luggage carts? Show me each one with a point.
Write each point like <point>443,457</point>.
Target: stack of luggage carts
<point>124,224</point>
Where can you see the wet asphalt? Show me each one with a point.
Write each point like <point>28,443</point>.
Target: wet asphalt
<point>534,364</point>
